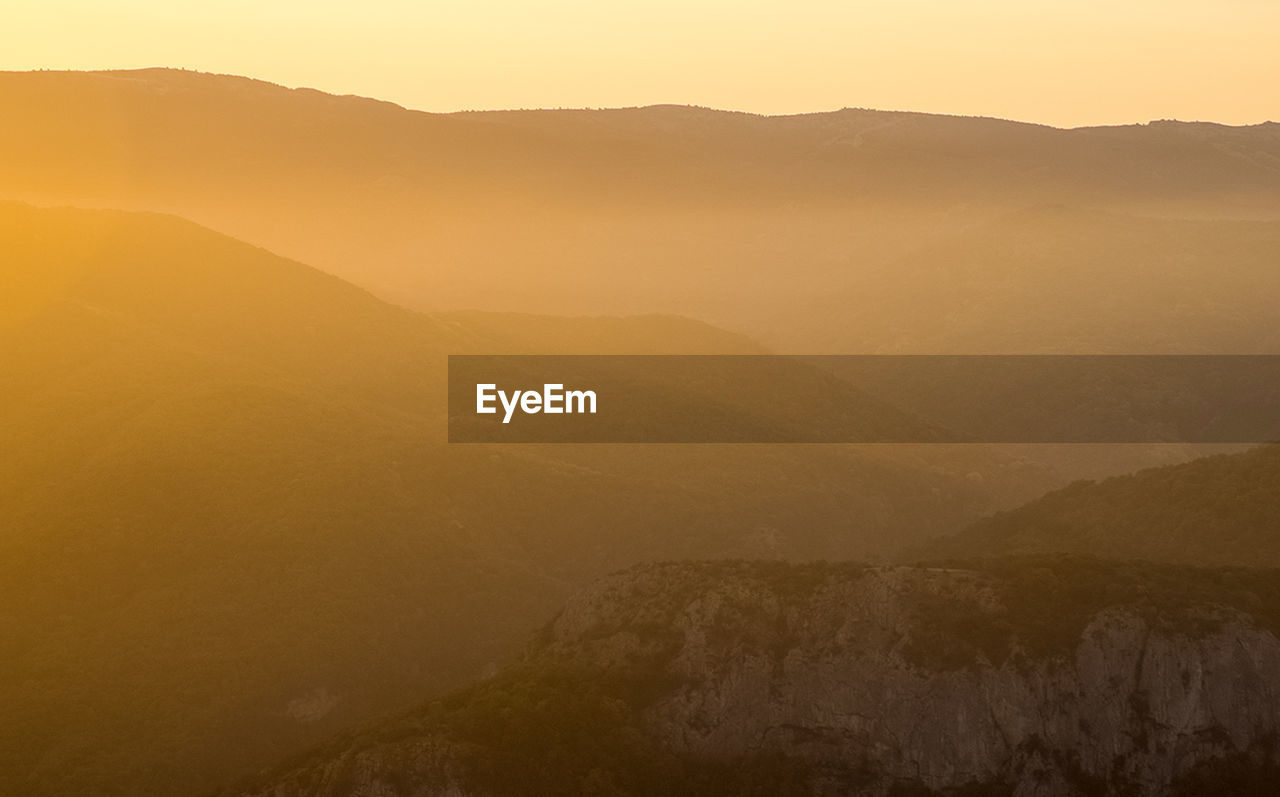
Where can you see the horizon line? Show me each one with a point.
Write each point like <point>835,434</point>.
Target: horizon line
<point>585,108</point>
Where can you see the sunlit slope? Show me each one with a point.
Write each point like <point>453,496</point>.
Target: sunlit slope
<point>1222,510</point>
<point>210,453</point>
<point>231,524</point>
<point>745,221</point>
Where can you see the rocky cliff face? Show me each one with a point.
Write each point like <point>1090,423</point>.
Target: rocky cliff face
<point>1041,678</point>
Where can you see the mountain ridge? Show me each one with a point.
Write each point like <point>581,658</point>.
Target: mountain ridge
<point>1217,510</point>
<point>737,220</point>
<point>196,74</point>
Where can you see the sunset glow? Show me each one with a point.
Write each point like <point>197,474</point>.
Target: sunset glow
<point>1060,63</point>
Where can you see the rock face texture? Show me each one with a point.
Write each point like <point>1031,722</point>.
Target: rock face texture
<point>1036,679</point>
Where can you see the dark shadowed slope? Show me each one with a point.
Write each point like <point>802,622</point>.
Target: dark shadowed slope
<point>1222,510</point>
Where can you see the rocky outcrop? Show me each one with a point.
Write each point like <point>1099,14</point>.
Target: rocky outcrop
<point>420,766</point>
<point>1037,680</point>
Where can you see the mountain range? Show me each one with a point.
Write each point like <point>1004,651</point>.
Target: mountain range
<point>233,527</point>
<point>833,232</point>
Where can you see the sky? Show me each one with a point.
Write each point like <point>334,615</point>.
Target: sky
<point>1066,63</point>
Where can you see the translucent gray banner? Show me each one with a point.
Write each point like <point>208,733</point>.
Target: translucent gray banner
<point>864,399</point>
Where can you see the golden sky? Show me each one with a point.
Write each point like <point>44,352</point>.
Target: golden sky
<point>1062,62</point>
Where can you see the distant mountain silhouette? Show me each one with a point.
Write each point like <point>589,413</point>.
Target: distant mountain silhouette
<point>741,220</point>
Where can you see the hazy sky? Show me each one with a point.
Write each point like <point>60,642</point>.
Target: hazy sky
<point>1063,62</point>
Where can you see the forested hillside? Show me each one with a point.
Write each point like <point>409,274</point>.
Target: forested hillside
<point>1220,510</point>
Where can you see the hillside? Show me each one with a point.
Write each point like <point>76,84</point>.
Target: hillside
<point>767,679</point>
<point>810,233</point>
<point>232,526</point>
<point>1058,280</point>
<point>1214,511</point>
